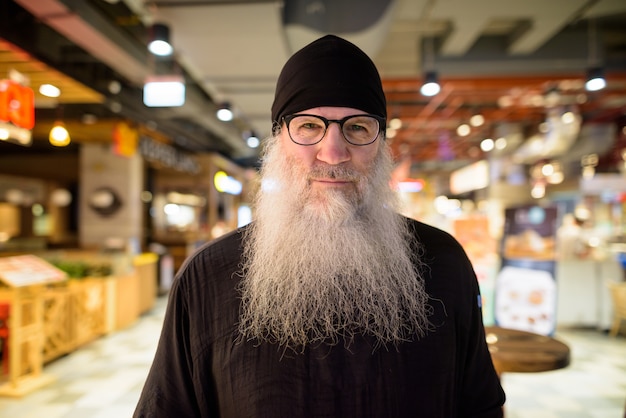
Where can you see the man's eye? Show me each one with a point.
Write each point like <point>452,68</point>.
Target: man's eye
<point>357,128</point>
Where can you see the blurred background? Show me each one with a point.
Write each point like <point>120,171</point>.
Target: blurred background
<point>507,120</point>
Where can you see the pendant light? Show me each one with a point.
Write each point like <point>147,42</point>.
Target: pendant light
<point>595,74</point>
<point>159,43</point>
<point>59,136</point>
<point>431,86</point>
<point>595,79</point>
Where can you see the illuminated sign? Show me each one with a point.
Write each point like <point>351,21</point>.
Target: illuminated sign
<point>17,104</point>
<point>125,139</point>
<point>17,112</point>
<point>164,91</point>
<point>167,155</point>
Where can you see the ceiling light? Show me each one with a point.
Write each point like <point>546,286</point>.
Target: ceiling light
<point>114,87</point>
<point>538,191</point>
<point>253,140</point>
<point>59,137</point>
<point>391,133</point>
<point>49,90</point>
<point>547,169</point>
<point>568,117</point>
<point>477,120</point>
<point>463,129</point>
<point>431,86</point>
<point>395,123</point>
<point>164,91</point>
<point>595,79</point>
<point>224,112</point>
<point>160,40</point>
<point>487,144</point>
<point>500,143</point>
<point>595,73</point>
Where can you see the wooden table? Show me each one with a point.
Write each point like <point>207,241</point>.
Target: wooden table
<point>521,351</point>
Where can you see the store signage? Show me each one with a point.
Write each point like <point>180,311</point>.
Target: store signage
<point>17,104</point>
<point>526,288</point>
<point>17,112</point>
<point>164,91</point>
<point>125,139</point>
<point>167,155</point>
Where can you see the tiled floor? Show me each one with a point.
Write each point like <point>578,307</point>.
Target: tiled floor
<point>104,379</point>
<point>593,386</point>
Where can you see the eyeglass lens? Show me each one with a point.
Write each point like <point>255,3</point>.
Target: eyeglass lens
<point>310,129</point>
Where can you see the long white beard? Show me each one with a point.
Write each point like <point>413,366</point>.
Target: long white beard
<point>321,266</point>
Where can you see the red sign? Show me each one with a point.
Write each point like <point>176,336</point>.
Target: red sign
<point>17,104</point>
<point>125,139</point>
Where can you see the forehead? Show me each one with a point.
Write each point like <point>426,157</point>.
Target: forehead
<point>333,112</point>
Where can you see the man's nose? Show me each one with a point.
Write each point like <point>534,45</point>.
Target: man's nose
<point>333,148</point>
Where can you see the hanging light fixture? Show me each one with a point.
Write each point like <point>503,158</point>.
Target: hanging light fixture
<point>595,74</point>
<point>595,79</point>
<point>431,86</point>
<point>160,40</point>
<point>59,137</point>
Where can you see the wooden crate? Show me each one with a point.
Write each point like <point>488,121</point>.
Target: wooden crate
<point>87,310</point>
<point>56,323</point>
<point>26,340</point>
<point>53,318</point>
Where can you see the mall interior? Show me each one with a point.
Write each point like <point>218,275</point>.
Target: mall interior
<point>506,119</point>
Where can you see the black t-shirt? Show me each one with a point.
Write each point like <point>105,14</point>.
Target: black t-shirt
<point>203,369</point>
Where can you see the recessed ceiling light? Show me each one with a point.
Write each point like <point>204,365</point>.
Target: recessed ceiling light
<point>49,90</point>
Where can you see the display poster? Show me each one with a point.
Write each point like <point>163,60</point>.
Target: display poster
<point>28,270</point>
<point>481,248</point>
<point>526,294</point>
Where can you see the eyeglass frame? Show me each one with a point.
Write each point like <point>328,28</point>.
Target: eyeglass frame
<point>382,124</point>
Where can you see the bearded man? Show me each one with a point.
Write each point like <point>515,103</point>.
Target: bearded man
<point>329,304</point>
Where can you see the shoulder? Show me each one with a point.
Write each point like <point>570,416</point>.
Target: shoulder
<point>439,251</point>
<point>226,247</point>
<point>429,236</point>
<point>213,260</point>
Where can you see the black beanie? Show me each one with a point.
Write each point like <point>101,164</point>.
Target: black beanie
<point>329,72</point>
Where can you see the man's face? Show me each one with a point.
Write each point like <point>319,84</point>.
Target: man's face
<point>327,241</point>
<point>332,151</point>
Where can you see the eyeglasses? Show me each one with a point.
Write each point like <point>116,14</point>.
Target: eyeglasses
<point>358,130</point>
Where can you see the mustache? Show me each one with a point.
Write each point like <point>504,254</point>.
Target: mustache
<point>338,172</point>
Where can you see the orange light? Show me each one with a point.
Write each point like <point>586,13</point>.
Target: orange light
<point>59,137</point>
